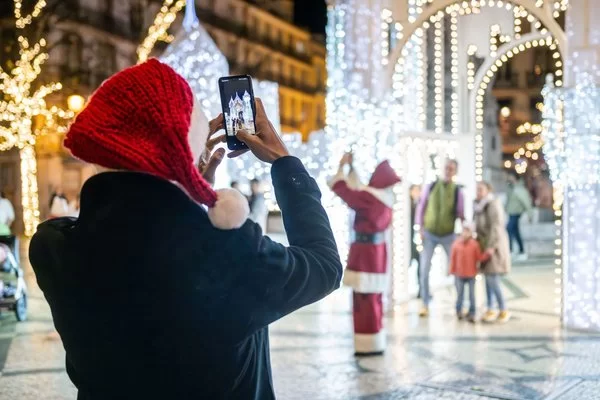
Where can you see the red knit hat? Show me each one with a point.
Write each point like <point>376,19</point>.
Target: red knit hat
<point>384,176</point>
<point>140,119</point>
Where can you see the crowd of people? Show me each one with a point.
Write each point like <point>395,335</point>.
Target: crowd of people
<point>483,247</point>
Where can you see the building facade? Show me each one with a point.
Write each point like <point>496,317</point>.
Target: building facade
<point>260,39</point>
<point>89,40</point>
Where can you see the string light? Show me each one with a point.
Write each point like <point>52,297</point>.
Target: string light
<point>25,115</point>
<point>571,121</point>
<point>438,77</point>
<point>501,59</point>
<point>494,33</point>
<point>386,25</point>
<point>517,22</point>
<point>22,21</point>
<point>158,29</point>
<point>531,150</point>
<point>454,76</point>
<point>471,51</point>
<point>195,56</point>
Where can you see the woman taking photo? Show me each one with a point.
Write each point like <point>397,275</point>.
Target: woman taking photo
<point>493,239</point>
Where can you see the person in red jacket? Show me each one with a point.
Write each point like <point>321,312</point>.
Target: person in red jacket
<point>366,271</point>
<point>464,262</point>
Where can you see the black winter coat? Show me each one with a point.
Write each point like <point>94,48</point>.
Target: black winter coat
<point>152,302</point>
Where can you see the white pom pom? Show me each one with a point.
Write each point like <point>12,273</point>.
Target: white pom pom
<point>230,211</point>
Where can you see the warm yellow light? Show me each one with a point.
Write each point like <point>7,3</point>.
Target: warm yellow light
<point>158,29</point>
<point>505,112</point>
<point>24,113</point>
<point>75,102</point>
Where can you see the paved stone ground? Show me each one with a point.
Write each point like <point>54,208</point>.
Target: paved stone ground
<point>529,358</point>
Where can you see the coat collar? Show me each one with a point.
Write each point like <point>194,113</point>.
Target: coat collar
<point>130,192</point>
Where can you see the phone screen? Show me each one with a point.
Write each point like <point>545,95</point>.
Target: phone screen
<point>237,100</point>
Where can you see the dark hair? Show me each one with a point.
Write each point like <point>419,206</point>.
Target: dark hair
<point>454,161</point>
<point>234,183</point>
<point>255,181</point>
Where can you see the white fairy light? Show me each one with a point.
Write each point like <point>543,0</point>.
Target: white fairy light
<point>454,105</point>
<point>571,127</point>
<point>438,57</point>
<point>471,52</point>
<point>501,59</point>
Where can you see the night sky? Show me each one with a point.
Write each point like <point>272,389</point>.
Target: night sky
<point>311,14</point>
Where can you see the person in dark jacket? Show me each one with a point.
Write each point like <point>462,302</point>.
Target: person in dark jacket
<point>155,297</point>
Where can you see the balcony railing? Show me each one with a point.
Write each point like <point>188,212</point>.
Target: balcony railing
<point>505,81</point>
<point>290,82</point>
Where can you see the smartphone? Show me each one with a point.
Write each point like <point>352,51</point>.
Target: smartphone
<point>239,109</point>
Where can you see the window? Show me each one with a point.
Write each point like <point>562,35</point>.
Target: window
<point>136,15</point>
<point>105,7</point>
<point>74,53</point>
<point>106,57</point>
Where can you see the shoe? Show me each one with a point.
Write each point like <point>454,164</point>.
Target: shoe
<point>424,312</point>
<point>471,318</point>
<point>460,316</point>
<point>521,257</point>
<point>503,317</point>
<point>490,316</point>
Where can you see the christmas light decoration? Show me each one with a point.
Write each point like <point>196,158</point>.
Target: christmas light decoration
<point>386,34</point>
<point>454,76</point>
<point>24,113</point>
<point>507,53</point>
<point>195,56</point>
<point>438,77</point>
<point>571,129</point>
<point>158,29</point>
<point>471,51</point>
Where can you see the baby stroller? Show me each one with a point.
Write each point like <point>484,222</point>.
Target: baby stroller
<point>13,291</point>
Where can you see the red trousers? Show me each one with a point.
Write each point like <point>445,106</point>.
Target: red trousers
<point>368,322</point>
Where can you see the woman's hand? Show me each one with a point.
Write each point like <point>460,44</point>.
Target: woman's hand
<point>209,161</point>
<point>346,159</point>
<point>266,145</point>
<point>490,251</point>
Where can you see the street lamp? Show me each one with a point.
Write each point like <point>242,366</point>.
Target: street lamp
<point>75,103</point>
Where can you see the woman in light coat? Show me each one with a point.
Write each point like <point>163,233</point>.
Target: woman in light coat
<point>493,239</point>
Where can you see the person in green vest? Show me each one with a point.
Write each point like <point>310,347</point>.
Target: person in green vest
<point>7,215</point>
<point>442,202</point>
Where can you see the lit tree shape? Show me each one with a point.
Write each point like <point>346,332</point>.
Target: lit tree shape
<point>24,114</point>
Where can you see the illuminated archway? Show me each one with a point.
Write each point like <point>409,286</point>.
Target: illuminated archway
<point>449,7</point>
<point>484,78</point>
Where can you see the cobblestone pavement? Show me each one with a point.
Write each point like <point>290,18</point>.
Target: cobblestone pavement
<point>528,358</point>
